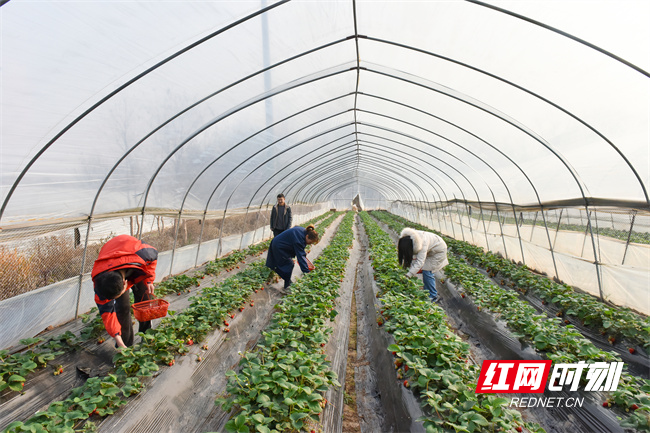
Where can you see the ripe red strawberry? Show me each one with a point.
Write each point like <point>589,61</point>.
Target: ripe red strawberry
<point>171,362</point>
<point>634,407</point>
<point>566,322</point>
<point>241,308</point>
<point>380,322</point>
<point>462,295</point>
<point>261,288</point>
<point>190,342</point>
<point>631,350</point>
<point>252,304</point>
<point>605,404</point>
<point>178,293</point>
<point>394,353</point>
<point>406,367</point>
<point>226,330</point>
<point>322,345</point>
<point>226,323</point>
<point>518,428</point>
<point>406,383</point>
<point>100,340</point>
<point>232,315</point>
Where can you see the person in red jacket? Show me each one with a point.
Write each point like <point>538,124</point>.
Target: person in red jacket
<point>123,263</point>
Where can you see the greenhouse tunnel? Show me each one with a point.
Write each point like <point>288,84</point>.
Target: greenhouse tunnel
<point>520,127</point>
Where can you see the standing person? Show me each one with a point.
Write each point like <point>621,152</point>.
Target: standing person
<point>123,263</point>
<point>430,252</point>
<point>280,216</point>
<point>287,245</point>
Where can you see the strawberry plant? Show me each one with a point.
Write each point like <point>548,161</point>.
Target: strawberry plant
<point>280,385</point>
<point>558,343</point>
<point>430,357</point>
<point>158,347</point>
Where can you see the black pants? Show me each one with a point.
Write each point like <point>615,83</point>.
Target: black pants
<point>123,312</point>
<point>277,232</point>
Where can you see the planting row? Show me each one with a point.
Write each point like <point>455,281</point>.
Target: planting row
<point>159,346</point>
<point>616,322</point>
<point>430,358</point>
<point>559,343</point>
<point>15,368</point>
<point>280,385</point>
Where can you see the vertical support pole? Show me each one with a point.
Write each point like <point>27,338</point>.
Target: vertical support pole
<point>460,221</point>
<point>178,225</point>
<point>559,220</point>
<point>503,239</point>
<point>243,227</point>
<point>533,227</point>
<point>83,267</point>
<point>629,235</point>
<point>521,244</point>
<point>593,242</point>
<point>469,222</point>
<point>485,229</point>
<point>198,247</point>
<point>550,244</point>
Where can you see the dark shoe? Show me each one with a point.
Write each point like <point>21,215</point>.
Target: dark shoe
<point>437,299</point>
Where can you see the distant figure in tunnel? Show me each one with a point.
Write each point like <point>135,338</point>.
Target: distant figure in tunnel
<point>124,263</point>
<point>287,245</point>
<point>280,216</point>
<point>430,252</point>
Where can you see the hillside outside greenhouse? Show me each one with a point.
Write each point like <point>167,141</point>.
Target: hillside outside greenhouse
<point>324,216</point>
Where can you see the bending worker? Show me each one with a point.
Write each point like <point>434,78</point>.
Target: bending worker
<point>287,245</point>
<point>430,252</point>
<point>124,263</point>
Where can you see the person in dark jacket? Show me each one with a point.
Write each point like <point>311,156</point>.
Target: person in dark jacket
<point>280,216</point>
<point>287,245</point>
<point>124,263</point>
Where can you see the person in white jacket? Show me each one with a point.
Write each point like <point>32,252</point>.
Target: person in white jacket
<point>422,251</point>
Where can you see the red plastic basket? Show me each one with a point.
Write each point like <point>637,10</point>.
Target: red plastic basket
<point>310,265</point>
<point>148,310</point>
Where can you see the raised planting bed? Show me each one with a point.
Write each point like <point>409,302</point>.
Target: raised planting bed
<point>430,358</point>
<point>280,385</point>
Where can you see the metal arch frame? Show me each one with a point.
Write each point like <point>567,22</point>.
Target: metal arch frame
<point>311,161</point>
<point>471,153</point>
<point>431,181</point>
<point>359,162</point>
<point>253,171</point>
<point>297,182</point>
<point>523,172</point>
<point>530,92</point>
<point>314,159</point>
<point>444,162</point>
<point>562,33</point>
<point>124,86</point>
<point>295,131</point>
<point>303,156</point>
<point>342,164</point>
<point>251,102</point>
<point>422,161</point>
<point>530,134</point>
